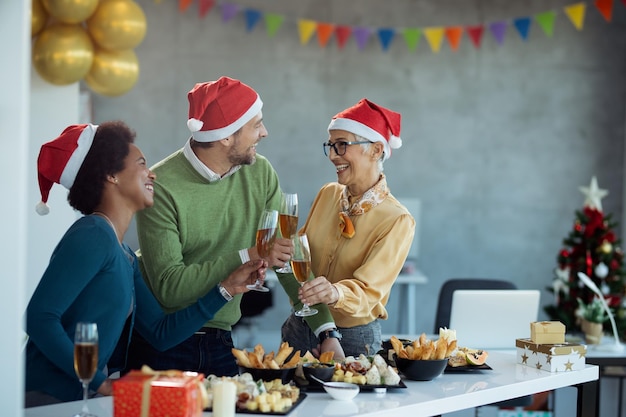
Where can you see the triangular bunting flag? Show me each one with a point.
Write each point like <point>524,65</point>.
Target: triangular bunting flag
<point>576,14</point>
<point>475,34</point>
<point>546,22</point>
<point>522,24</point>
<point>306,28</point>
<point>498,30</point>
<point>324,32</point>
<point>361,35</point>
<point>204,6</point>
<point>229,10</point>
<point>605,7</point>
<point>273,22</point>
<point>453,34</point>
<point>434,36</point>
<point>183,5</point>
<point>386,35</point>
<point>252,18</point>
<point>412,37</point>
<point>342,33</point>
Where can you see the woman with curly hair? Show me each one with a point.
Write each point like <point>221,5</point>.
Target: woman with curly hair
<point>93,276</point>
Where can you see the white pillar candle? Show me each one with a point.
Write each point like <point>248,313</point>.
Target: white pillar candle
<point>224,398</point>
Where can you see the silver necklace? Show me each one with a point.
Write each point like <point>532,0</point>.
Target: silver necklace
<point>105,217</point>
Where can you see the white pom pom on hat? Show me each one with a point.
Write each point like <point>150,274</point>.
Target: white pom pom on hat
<point>371,121</point>
<point>217,109</point>
<point>60,159</point>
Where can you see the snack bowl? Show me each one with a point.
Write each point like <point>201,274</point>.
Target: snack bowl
<point>343,391</point>
<point>322,371</point>
<point>421,370</point>
<point>285,375</point>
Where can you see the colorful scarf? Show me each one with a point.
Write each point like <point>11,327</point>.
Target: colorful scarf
<point>370,199</point>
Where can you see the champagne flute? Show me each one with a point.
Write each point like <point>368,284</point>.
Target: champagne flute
<point>85,359</point>
<point>288,222</point>
<point>265,237</point>
<point>301,265</point>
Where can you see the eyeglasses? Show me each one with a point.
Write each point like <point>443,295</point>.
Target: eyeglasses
<point>340,147</point>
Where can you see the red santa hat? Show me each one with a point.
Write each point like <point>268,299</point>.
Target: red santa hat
<point>217,109</point>
<point>371,121</point>
<point>60,159</point>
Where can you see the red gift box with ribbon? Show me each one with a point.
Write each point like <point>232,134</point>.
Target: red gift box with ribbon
<point>149,393</point>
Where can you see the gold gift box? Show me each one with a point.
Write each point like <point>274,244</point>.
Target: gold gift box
<point>557,357</point>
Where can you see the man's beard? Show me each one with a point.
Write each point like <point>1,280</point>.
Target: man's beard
<point>236,158</point>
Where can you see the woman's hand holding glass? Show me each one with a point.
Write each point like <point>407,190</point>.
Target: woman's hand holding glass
<point>250,272</point>
<point>301,266</point>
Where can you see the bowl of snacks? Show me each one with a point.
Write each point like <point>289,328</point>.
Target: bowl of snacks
<point>268,366</point>
<point>319,370</point>
<point>421,370</point>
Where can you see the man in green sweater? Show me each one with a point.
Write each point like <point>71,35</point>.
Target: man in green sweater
<point>208,198</point>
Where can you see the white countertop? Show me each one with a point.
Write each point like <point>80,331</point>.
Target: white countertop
<point>447,393</point>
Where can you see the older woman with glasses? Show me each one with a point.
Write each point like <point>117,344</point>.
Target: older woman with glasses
<point>359,233</point>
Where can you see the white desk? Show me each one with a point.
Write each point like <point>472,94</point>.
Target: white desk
<point>445,394</point>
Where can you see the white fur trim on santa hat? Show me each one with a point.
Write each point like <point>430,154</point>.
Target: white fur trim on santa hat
<point>194,125</point>
<point>42,209</point>
<point>224,132</point>
<point>360,129</point>
<point>78,156</point>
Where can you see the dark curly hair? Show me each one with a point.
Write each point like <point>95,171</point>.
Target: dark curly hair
<point>111,145</point>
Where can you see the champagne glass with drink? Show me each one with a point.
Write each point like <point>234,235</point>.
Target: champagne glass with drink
<point>301,265</point>
<point>265,237</point>
<point>85,359</point>
<point>288,221</point>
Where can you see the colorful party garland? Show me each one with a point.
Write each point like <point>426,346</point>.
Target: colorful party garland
<point>434,35</point>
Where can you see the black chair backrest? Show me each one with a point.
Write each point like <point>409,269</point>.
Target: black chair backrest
<point>444,305</point>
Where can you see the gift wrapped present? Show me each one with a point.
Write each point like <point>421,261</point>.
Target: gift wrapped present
<point>149,393</point>
<point>558,357</point>
<point>547,332</point>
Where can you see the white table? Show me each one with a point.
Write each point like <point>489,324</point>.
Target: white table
<point>445,394</point>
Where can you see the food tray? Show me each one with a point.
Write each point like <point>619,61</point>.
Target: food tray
<point>301,398</point>
<point>466,368</point>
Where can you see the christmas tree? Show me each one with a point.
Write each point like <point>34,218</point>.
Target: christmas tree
<point>592,247</point>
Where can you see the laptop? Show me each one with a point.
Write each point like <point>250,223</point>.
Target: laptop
<point>493,319</point>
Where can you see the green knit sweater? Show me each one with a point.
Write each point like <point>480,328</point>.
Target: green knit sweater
<point>190,239</point>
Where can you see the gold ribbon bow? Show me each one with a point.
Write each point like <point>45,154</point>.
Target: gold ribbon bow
<point>346,226</point>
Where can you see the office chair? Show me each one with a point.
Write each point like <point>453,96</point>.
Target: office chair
<point>442,317</point>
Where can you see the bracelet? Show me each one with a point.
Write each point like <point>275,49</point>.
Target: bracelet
<point>334,333</point>
<point>224,292</point>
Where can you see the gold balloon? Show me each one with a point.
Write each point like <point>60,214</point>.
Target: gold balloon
<point>38,17</point>
<point>117,25</point>
<point>113,73</point>
<point>71,11</point>
<point>62,53</point>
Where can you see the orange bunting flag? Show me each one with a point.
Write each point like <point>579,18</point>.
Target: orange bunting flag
<point>453,34</point>
<point>546,22</point>
<point>324,32</point>
<point>205,6</point>
<point>475,34</point>
<point>605,7</point>
<point>576,14</point>
<point>183,5</point>
<point>342,33</point>
<point>434,36</point>
<point>306,28</point>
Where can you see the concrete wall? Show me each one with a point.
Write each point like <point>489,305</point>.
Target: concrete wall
<point>496,141</point>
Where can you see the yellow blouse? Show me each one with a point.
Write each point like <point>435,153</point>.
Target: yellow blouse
<point>364,267</point>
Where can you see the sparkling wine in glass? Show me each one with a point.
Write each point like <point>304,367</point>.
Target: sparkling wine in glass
<point>301,265</point>
<point>85,359</point>
<point>265,237</point>
<point>288,221</point>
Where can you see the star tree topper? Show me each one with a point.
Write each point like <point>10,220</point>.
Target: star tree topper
<point>593,195</point>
